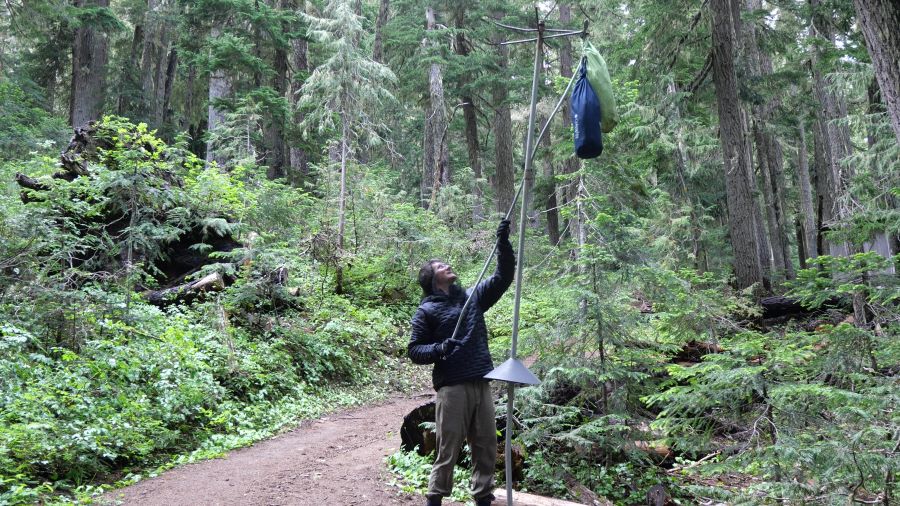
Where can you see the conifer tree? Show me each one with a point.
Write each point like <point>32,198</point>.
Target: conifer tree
<point>342,94</point>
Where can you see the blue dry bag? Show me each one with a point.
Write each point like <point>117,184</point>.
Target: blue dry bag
<point>586,117</point>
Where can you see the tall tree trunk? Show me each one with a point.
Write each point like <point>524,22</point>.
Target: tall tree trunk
<point>503,146</point>
<point>219,88</point>
<point>824,196</point>
<point>171,67</point>
<point>471,121</point>
<point>681,162</point>
<point>425,189</point>
<point>879,21</point>
<point>775,164</point>
<point>890,240</point>
<point>299,160</point>
<point>768,199</point>
<point>571,165</point>
<point>437,118</point>
<point>770,155</point>
<point>549,194</point>
<point>342,208</point>
<point>186,121</point>
<point>806,200</point>
<point>739,195</point>
<point>764,249</point>
<point>157,41</point>
<point>832,112</point>
<point>384,9</point>
<point>89,59</point>
<point>132,72</point>
<point>275,159</point>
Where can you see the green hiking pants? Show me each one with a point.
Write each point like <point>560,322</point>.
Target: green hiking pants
<point>464,413</point>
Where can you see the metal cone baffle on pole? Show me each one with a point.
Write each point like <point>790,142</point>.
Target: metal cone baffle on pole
<point>513,371</point>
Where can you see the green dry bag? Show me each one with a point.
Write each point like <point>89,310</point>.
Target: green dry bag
<point>598,75</point>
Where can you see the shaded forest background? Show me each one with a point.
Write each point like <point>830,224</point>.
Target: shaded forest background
<point>212,212</point>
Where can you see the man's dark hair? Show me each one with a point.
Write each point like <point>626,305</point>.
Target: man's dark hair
<point>426,276</point>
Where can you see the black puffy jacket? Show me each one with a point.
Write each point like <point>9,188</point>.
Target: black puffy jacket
<point>436,317</point>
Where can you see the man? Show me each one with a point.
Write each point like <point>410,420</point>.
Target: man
<point>464,409</point>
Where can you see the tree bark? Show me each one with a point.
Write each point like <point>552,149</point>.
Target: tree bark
<point>342,208</point>
<point>837,146</point>
<point>806,200</point>
<point>769,152</point>
<point>739,197</point>
<point>437,118</point>
<point>384,8</point>
<point>503,147</point>
<point>427,159</point>
<point>764,249</point>
<point>125,105</point>
<point>219,88</point>
<point>824,197</point>
<point>681,161</point>
<point>549,195</point>
<point>879,21</point>
<point>768,199</point>
<point>775,156</point>
<point>299,159</point>
<point>275,159</point>
<point>157,42</point>
<point>90,54</point>
<point>471,121</point>
<point>171,67</point>
<point>572,164</point>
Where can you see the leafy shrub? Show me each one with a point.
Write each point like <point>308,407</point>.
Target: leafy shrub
<point>809,415</point>
<point>413,470</point>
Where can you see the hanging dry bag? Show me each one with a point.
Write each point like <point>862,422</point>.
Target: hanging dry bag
<point>598,75</point>
<point>586,117</point>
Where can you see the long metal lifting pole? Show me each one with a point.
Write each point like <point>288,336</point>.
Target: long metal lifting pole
<point>510,388</point>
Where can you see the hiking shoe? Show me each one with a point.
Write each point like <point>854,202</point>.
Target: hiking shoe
<point>485,501</point>
<point>433,501</point>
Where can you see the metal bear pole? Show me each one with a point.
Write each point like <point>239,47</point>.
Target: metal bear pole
<point>513,371</point>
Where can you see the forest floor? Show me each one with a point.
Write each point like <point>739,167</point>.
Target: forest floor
<point>336,459</point>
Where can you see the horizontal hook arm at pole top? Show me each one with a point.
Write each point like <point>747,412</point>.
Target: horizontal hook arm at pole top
<point>561,30</point>
<point>516,28</point>
<point>567,34</point>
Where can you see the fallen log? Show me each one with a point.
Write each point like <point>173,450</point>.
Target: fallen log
<point>186,292</point>
<point>781,306</point>
<point>583,494</point>
<point>413,436</point>
<point>169,259</point>
<point>32,184</point>
<point>659,452</point>
<point>693,351</point>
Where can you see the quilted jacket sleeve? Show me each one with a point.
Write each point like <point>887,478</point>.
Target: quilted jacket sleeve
<point>489,291</point>
<point>422,348</point>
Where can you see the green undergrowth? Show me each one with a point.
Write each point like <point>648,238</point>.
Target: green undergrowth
<point>99,387</point>
<point>171,387</point>
<point>411,472</point>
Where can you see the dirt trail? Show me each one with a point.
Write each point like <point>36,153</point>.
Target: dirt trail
<point>338,459</point>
